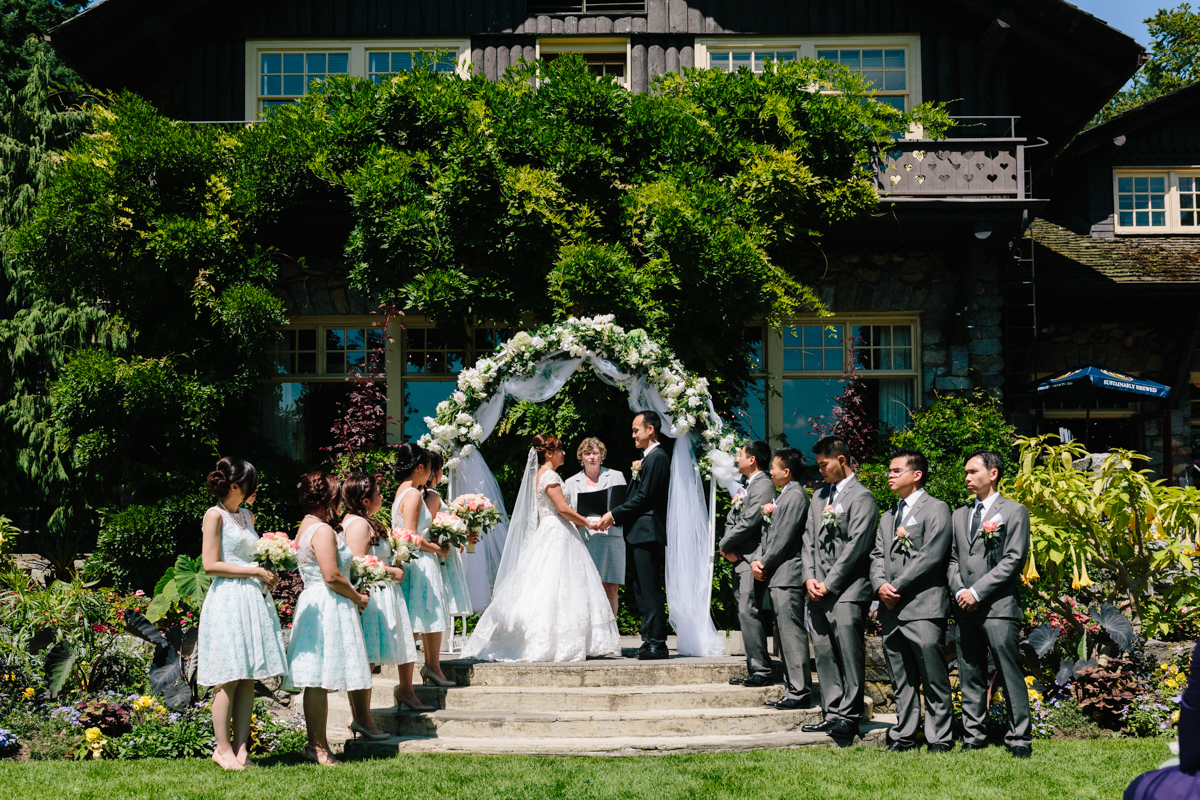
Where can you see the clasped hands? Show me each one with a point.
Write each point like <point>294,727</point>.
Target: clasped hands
<point>816,589</point>
<point>602,524</point>
<point>889,596</point>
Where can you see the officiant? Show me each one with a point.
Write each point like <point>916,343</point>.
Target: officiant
<point>594,490</point>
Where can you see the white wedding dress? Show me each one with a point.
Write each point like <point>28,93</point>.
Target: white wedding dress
<point>548,603</point>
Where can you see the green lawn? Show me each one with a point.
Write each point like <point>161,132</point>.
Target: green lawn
<point>1058,770</point>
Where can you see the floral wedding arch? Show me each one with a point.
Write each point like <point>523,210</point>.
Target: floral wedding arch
<point>534,366</point>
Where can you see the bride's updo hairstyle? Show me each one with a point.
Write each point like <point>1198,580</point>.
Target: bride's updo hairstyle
<point>545,443</point>
<point>319,493</point>
<point>232,472</point>
<point>409,456</point>
<point>356,493</point>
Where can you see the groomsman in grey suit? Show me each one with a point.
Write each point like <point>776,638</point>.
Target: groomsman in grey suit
<point>740,544</point>
<point>837,566</point>
<point>908,572</point>
<point>781,568</point>
<point>991,541</point>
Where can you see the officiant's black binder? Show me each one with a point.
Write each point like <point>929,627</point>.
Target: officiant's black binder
<point>597,503</point>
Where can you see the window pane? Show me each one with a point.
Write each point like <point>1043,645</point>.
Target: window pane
<point>893,81</point>
<point>378,62</point>
<point>1157,201</point>
<point>755,343</point>
<point>1141,184</point>
<point>339,63</point>
<point>335,339</point>
<point>873,78</point>
<point>740,59</point>
<point>272,85</point>
<point>1187,218</point>
<point>293,84</point>
<point>872,59</point>
<point>293,62</point>
<point>895,402</point>
<point>356,361</point>
<point>1158,219</point>
<point>298,417</point>
<point>420,401</point>
<point>897,103</point>
<point>1126,202</point>
<point>812,360</point>
<point>1185,200</point>
<point>1158,184</point>
<point>1126,218</point>
<point>827,55</point>
<point>752,414</point>
<point>335,363</point>
<point>1142,219</point>
<point>307,339</point>
<point>306,363</point>
<point>355,339</point>
<point>805,398</point>
<point>893,59</point>
<point>759,59</point>
<point>902,335</point>
<point>316,63</point>
<point>851,59</point>
<point>1186,184</point>
<point>812,335</point>
<point>1124,184</point>
<point>785,55</point>
<point>271,62</point>
<point>719,61</point>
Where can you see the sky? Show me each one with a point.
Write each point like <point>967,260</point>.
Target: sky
<point>1126,15</point>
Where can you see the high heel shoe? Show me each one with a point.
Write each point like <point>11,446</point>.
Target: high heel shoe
<point>428,676</point>
<point>311,754</point>
<point>359,730</point>
<point>419,707</point>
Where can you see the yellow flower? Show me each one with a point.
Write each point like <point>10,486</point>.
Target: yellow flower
<point>1175,717</point>
<point>29,692</point>
<point>1029,680</point>
<point>93,735</point>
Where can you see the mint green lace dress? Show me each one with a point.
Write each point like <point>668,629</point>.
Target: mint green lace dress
<point>327,648</point>
<point>422,584</point>
<point>239,636</point>
<point>386,628</point>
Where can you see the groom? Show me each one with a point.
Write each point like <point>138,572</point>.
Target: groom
<point>644,517</point>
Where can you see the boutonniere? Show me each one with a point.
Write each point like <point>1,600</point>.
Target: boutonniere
<point>991,529</point>
<point>829,516</point>
<point>902,539</point>
<point>737,500</point>
<point>767,510</point>
<point>636,469</point>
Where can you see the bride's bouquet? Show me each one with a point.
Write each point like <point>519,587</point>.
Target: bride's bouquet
<point>479,513</point>
<point>276,552</point>
<point>404,545</point>
<point>367,570</point>
<point>448,528</point>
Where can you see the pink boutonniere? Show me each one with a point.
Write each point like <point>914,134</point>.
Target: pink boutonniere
<point>767,510</point>
<point>902,539</point>
<point>737,500</point>
<point>991,529</point>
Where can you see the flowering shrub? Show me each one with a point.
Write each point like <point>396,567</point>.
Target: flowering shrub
<point>455,430</point>
<point>8,742</point>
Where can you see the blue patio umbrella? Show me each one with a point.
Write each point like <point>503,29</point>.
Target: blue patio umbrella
<point>1087,381</point>
<point>1094,376</point>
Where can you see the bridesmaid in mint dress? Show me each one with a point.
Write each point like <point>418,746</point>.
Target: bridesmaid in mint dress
<point>454,577</point>
<point>422,586</point>
<point>327,651</point>
<point>239,638</point>
<point>386,627</point>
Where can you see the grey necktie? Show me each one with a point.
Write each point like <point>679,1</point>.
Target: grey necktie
<point>975,518</point>
<point>900,513</point>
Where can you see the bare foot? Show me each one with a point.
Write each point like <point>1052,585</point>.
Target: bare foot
<point>319,756</point>
<point>227,761</point>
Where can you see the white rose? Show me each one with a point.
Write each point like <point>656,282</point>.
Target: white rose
<point>477,432</point>
<point>443,406</point>
<point>459,398</point>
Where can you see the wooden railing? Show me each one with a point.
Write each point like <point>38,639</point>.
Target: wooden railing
<point>605,7</point>
<point>977,168</point>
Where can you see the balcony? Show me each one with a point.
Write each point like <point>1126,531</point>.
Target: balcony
<point>985,169</point>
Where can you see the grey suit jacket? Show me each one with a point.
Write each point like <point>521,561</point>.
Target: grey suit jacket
<point>918,574</point>
<point>992,569</point>
<point>783,540</point>
<point>743,528</point>
<point>839,555</point>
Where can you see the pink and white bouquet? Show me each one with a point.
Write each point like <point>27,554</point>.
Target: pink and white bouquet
<point>404,545</point>
<point>276,552</point>
<point>448,528</point>
<point>479,513</point>
<point>367,570</point>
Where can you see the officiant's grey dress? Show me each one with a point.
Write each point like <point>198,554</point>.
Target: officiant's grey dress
<point>607,548</point>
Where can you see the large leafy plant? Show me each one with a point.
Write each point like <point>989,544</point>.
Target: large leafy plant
<point>1118,519</point>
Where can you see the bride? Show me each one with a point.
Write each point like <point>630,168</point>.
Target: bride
<point>549,604</point>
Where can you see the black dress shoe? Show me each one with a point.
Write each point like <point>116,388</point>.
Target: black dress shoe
<point>969,746</point>
<point>1020,751</point>
<point>756,681</point>
<point>820,727</point>
<point>940,747</point>
<point>736,681</point>
<point>790,705</point>
<point>654,654</point>
<point>843,730</point>
<point>901,747</point>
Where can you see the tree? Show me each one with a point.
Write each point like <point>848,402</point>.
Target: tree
<point>1174,60</point>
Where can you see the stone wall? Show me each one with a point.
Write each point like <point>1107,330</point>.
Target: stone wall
<point>958,351</point>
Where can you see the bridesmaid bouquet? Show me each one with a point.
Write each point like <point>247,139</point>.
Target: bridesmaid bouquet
<point>448,528</point>
<point>276,552</point>
<point>404,545</point>
<point>366,570</point>
<point>479,513</point>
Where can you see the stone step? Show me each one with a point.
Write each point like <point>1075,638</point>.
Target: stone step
<point>625,672</point>
<point>593,698</point>
<point>594,724</point>
<point>617,745</point>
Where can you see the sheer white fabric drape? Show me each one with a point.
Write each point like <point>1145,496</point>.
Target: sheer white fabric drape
<point>690,547</point>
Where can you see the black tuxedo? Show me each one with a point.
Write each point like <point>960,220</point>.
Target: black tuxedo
<point>643,515</point>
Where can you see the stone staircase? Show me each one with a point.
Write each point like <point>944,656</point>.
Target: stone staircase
<point>611,706</point>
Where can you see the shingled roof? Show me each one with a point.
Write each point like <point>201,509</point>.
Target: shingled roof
<point>1069,257</point>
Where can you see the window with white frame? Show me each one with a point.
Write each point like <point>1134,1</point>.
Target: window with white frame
<point>890,64</point>
<point>284,70</point>
<point>606,56</point>
<point>1157,201</point>
<point>800,372</point>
